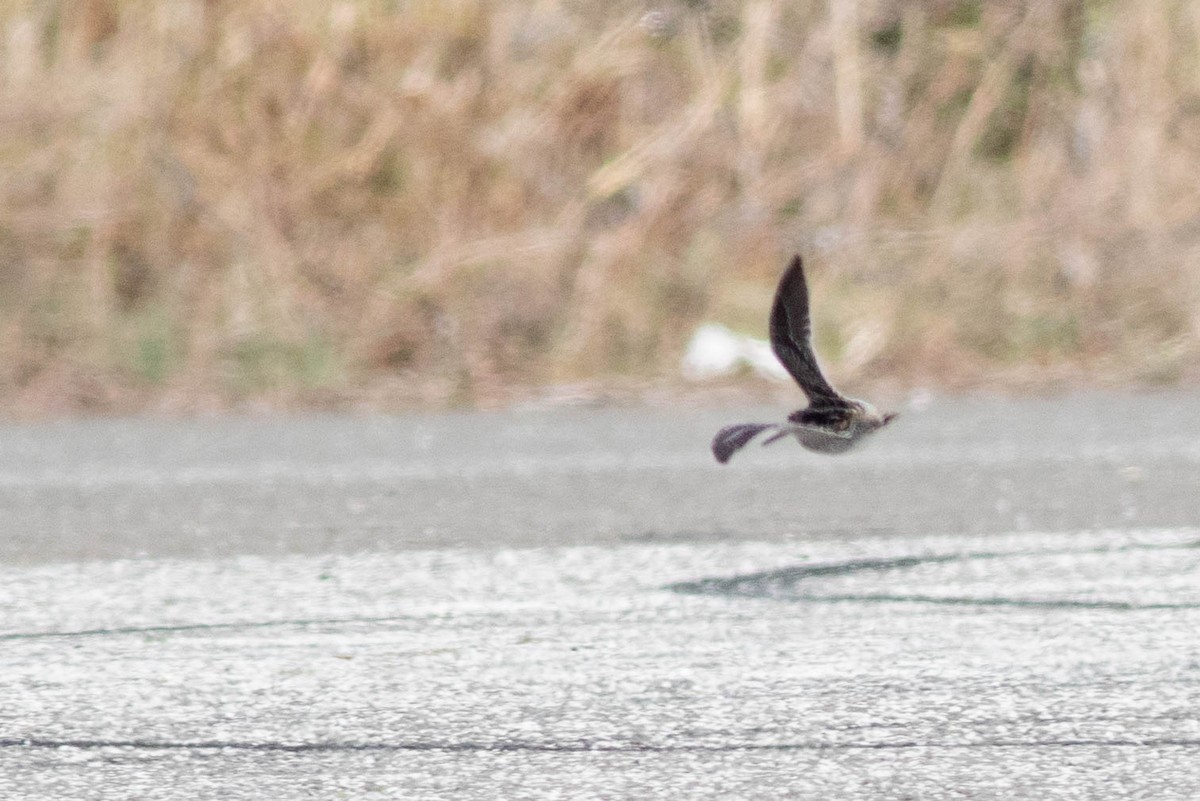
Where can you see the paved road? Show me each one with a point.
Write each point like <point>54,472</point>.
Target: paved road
<point>998,599</point>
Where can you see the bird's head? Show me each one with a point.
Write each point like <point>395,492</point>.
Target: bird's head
<point>869,419</point>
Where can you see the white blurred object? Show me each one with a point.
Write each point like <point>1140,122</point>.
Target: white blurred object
<point>715,351</point>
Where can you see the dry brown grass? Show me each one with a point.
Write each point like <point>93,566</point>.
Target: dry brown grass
<point>448,201</point>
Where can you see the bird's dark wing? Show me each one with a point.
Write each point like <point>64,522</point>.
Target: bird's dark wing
<point>791,337</point>
<point>732,438</point>
<point>827,418</point>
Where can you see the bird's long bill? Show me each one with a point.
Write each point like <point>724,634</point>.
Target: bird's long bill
<point>732,438</point>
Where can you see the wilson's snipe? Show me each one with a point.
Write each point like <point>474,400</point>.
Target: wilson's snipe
<point>832,423</point>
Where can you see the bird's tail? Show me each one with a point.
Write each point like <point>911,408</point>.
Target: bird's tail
<point>731,438</point>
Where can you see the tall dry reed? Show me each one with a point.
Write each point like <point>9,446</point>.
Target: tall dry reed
<point>206,202</point>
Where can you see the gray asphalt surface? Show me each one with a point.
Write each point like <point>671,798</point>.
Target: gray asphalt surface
<point>996,599</point>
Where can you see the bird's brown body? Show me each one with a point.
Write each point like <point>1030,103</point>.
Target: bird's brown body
<point>832,423</point>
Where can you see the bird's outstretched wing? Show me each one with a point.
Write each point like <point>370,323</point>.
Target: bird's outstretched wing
<point>791,337</point>
<point>731,438</point>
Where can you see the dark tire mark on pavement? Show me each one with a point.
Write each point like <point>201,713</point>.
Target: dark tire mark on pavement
<point>783,584</point>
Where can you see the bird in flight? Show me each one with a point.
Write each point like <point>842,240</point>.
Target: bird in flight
<point>832,423</point>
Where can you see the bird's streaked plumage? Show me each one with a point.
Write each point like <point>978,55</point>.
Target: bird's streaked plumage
<point>832,423</point>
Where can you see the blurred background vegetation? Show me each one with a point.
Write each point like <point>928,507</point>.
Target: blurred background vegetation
<point>208,204</point>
